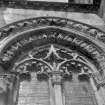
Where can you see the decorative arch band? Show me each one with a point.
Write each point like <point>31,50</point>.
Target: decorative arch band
<point>23,36</point>
<point>22,43</point>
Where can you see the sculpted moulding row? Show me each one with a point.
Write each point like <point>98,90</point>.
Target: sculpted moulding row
<point>51,36</point>
<point>23,25</point>
<point>97,54</point>
<point>18,27</point>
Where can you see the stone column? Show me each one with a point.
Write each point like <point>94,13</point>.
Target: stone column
<point>52,100</point>
<point>58,95</point>
<point>57,85</point>
<point>16,90</point>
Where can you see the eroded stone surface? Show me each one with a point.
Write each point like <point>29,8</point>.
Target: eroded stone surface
<point>12,15</point>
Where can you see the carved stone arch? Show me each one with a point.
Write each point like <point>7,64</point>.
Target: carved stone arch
<point>81,44</point>
<point>52,36</point>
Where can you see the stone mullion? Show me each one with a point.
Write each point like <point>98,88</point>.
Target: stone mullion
<point>51,91</point>
<point>57,88</point>
<point>58,95</point>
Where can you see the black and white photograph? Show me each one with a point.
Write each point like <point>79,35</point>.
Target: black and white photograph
<point>52,52</point>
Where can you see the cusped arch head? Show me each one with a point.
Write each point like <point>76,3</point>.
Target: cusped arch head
<point>22,36</point>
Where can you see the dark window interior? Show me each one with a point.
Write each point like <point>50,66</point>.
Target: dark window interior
<point>72,5</point>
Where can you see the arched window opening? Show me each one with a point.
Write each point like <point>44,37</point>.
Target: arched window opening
<point>33,92</point>
<point>54,80</point>
<point>79,92</point>
<point>60,53</point>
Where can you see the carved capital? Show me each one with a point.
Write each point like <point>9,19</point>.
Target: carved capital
<point>42,76</point>
<point>56,78</point>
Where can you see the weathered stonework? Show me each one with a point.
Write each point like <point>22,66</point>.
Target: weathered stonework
<point>55,49</point>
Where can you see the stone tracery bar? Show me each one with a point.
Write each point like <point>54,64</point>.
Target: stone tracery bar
<point>58,95</point>
<point>57,87</point>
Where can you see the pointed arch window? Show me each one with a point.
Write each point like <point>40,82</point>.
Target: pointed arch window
<point>55,79</point>
<point>33,92</point>
<point>79,92</point>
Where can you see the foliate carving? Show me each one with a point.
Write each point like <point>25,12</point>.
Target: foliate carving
<point>75,66</point>
<point>52,61</point>
<point>47,61</point>
<point>51,35</point>
<point>93,32</point>
<point>31,65</point>
<point>20,26</point>
<point>55,62</point>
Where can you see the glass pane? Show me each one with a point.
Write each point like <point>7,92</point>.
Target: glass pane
<point>79,93</point>
<point>33,92</point>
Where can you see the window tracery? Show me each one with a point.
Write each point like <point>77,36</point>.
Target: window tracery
<point>50,65</point>
<point>61,55</point>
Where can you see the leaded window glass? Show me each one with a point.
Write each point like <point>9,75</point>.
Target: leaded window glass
<point>33,92</point>
<point>79,93</point>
